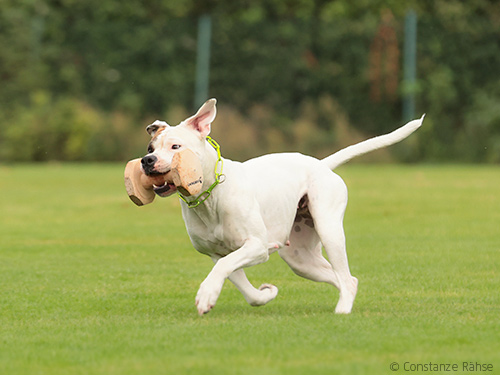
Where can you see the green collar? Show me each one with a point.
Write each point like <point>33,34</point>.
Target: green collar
<point>219,178</point>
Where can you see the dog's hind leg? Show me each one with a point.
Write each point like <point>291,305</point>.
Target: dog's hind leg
<point>333,240</point>
<point>255,297</point>
<point>304,255</point>
<point>327,209</point>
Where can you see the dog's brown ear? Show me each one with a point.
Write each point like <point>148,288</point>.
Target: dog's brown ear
<point>155,127</point>
<point>186,172</point>
<point>138,188</point>
<point>203,118</point>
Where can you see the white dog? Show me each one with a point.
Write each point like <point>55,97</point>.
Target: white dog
<point>290,203</point>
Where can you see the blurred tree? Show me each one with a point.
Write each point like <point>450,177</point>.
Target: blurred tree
<point>138,58</point>
<point>384,60</point>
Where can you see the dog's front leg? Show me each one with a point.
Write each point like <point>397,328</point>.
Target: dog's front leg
<point>254,251</point>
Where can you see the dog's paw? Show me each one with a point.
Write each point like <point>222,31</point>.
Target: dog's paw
<point>206,297</point>
<point>204,304</point>
<point>346,300</point>
<point>269,288</point>
<point>268,292</point>
<point>203,308</point>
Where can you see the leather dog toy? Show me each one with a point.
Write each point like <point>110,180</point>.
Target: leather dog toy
<point>186,172</point>
<point>185,176</point>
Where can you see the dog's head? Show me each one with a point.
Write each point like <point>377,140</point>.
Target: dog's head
<point>167,141</point>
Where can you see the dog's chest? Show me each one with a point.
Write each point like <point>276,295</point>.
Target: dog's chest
<point>211,237</point>
<point>212,242</point>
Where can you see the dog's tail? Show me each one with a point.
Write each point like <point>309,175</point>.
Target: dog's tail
<point>346,154</point>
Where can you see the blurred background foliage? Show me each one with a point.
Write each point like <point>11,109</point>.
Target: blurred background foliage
<point>80,80</point>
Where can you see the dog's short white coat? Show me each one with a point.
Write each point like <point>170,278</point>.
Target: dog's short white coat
<point>290,203</point>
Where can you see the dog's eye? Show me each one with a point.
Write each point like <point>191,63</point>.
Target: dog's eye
<point>176,147</point>
<point>150,149</point>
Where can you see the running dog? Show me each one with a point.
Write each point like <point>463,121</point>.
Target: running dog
<point>290,203</point>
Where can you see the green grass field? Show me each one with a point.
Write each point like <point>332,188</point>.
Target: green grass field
<point>91,284</point>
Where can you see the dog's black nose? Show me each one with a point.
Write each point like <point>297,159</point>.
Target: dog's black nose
<point>148,163</point>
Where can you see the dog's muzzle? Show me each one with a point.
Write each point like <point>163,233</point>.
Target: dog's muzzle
<point>161,187</point>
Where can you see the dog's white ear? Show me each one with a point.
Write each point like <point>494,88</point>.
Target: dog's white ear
<point>155,126</point>
<point>203,118</point>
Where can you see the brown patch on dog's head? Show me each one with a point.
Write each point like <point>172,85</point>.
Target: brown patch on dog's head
<point>156,128</point>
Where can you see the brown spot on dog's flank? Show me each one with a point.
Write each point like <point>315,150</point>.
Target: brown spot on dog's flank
<point>309,223</point>
<point>297,228</point>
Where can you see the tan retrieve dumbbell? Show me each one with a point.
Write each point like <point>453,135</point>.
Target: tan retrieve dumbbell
<point>186,173</point>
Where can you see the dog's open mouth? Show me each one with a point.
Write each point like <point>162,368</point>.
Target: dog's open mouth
<point>162,184</point>
<point>165,190</point>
